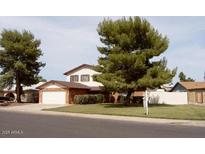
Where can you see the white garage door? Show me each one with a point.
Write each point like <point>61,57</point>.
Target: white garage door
<point>57,97</point>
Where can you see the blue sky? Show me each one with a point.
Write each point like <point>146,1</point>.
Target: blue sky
<point>70,41</point>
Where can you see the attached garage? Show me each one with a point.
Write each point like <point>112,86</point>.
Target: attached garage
<point>54,97</point>
<point>60,92</point>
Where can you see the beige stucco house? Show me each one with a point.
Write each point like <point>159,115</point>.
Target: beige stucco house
<point>79,80</point>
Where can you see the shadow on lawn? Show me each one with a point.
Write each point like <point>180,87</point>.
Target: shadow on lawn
<point>134,105</point>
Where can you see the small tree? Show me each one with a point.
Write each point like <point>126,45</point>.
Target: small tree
<point>182,77</point>
<point>19,60</point>
<point>126,63</point>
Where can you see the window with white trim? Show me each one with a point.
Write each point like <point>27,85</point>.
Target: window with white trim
<point>85,78</point>
<point>74,78</point>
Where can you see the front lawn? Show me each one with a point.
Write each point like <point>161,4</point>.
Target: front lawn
<point>191,112</point>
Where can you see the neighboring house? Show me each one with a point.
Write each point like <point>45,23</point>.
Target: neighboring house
<point>30,93</point>
<point>195,91</point>
<point>78,81</point>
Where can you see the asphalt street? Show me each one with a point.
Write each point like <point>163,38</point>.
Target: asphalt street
<point>24,125</point>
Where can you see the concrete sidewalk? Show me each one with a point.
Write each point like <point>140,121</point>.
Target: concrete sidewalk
<point>37,109</point>
<point>29,107</point>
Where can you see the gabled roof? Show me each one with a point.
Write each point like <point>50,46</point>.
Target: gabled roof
<point>191,85</point>
<point>96,88</point>
<point>78,68</point>
<point>64,84</point>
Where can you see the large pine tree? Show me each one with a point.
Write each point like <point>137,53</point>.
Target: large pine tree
<point>19,60</point>
<point>126,64</point>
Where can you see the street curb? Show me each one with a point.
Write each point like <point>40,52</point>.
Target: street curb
<point>134,119</point>
<point>118,118</point>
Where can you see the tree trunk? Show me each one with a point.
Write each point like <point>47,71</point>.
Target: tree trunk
<point>18,88</point>
<point>127,100</point>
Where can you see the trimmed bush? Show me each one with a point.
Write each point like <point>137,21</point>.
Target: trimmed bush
<point>100,98</point>
<point>89,99</point>
<point>80,99</point>
<point>92,99</point>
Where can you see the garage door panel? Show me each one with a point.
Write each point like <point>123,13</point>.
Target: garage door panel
<point>58,97</point>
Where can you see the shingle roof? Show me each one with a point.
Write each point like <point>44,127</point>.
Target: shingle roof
<point>77,68</point>
<point>65,84</point>
<point>96,88</point>
<point>193,85</point>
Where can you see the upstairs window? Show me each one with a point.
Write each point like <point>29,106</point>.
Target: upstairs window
<point>85,78</point>
<point>74,78</point>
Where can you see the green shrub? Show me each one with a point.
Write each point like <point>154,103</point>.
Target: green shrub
<point>88,99</point>
<point>92,99</point>
<point>100,98</point>
<point>81,99</point>
<point>84,99</point>
<point>76,99</point>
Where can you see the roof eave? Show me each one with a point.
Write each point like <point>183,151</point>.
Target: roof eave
<point>51,81</point>
<point>77,68</point>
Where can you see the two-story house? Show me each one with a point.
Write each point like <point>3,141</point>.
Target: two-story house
<point>79,80</point>
<point>82,74</point>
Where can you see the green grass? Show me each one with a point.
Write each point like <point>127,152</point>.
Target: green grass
<point>188,112</point>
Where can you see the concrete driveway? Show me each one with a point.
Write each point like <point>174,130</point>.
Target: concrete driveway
<point>30,107</point>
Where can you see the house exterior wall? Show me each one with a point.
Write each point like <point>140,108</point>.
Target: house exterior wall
<point>204,97</point>
<point>196,96</point>
<point>73,92</point>
<point>85,71</point>
<point>191,97</point>
<point>174,98</point>
<point>40,96</point>
<point>1,93</point>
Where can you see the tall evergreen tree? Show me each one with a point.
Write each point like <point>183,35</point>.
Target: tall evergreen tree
<point>126,64</point>
<point>19,60</point>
